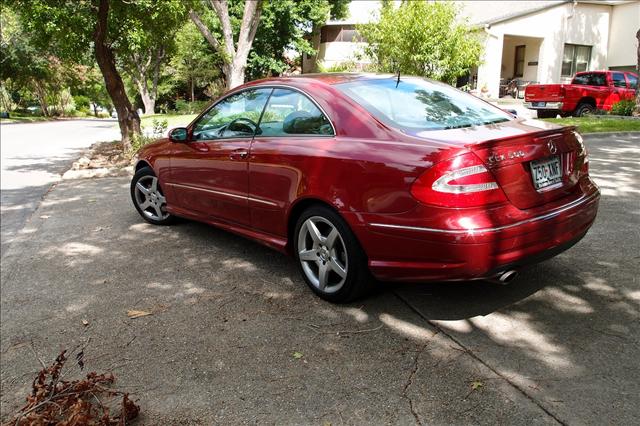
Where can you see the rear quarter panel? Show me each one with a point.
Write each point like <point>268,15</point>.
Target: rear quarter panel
<point>351,174</point>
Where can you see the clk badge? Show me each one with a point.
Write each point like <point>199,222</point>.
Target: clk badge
<point>496,158</point>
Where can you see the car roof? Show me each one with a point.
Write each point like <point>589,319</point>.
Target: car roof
<point>329,78</point>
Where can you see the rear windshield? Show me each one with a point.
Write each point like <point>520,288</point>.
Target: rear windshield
<point>594,79</point>
<point>415,104</point>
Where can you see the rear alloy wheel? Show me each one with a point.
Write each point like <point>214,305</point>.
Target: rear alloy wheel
<point>330,258</point>
<point>148,198</point>
<point>584,109</point>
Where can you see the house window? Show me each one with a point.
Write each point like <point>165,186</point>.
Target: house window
<point>338,33</point>
<point>576,58</point>
<point>519,66</point>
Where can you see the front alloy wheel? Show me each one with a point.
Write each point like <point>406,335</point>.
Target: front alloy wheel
<point>148,198</point>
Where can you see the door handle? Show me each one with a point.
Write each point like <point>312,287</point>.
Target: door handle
<point>239,154</point>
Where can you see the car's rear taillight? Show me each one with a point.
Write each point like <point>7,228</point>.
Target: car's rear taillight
<point>462,181</point>
<point>583,154</point>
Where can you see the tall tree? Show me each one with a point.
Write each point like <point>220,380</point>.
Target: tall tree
<point>422,38</point>
<point>108,31</point>
<point>194,63</point>
<point>264,30</point>
<point>286,26</point>
<point>148,41</point>
<point>128,118</point>
<point>234,53</point>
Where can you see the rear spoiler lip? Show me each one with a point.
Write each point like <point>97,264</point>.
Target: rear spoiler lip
<point>532,135</point>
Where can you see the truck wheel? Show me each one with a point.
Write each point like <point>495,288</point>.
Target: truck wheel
<point>584,109</point>
<point>547,114</point>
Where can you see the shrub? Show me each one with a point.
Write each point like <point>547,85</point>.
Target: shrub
<point>625,107</point>
<point>347,66</point>
<point>186,107</point>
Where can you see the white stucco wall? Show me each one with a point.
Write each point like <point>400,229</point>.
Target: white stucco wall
<point>625,21</point>
<point>585,24</point>
<point>531,54</point>
<point>340,51</point>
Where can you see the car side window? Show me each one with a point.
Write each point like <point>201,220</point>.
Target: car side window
<point>591,79</point>
<point>618,79</point>
<point>633,81</point>
<point>291,113</point>
<point>235,116</point>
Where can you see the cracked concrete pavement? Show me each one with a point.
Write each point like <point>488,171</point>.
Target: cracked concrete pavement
<point>560,345</point>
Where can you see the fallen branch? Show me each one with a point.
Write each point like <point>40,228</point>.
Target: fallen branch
<point>77,402</point>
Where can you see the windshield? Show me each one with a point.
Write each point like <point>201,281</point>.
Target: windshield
<point>415,104</point>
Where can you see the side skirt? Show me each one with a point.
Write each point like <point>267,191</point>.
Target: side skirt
<point>272,241</point>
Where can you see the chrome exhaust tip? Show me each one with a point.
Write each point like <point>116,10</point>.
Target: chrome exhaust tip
<point>506,277</point>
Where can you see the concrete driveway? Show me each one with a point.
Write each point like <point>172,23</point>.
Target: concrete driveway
<point>34,156</point>
<point>235,337</point>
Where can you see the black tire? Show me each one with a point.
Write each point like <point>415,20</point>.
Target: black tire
<point>547,113</point>
<point>584,109</point>
<point>144,176</point>
<point>358,281</point>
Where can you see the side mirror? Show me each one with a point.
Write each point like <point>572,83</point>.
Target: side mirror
<point>511,111</point>
<point>179,134</point>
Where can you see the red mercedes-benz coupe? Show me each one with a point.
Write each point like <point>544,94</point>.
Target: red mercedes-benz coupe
<point>358,175</point>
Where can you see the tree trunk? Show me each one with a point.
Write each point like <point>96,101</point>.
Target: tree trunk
<point>41,94</point>
<point>193,97</point>
<point>148,99</point>
<point>234,55</point>
<point>128,118</point>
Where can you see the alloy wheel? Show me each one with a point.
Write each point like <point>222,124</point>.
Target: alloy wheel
<point>322,254</point>
<point>150,199</point>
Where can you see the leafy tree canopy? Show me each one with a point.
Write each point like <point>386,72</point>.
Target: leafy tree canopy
<point>422,38</point>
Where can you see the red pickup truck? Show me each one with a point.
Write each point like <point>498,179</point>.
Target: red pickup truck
<point>588,92</point>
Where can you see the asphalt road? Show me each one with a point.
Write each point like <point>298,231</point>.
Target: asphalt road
<point>33,157</point>
<point>235,336</point>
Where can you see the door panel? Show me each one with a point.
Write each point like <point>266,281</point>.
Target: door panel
<point>292,131</point>
<point>207,179</point>
<point>209,174</point>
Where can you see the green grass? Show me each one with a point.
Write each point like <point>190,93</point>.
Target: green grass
<point>173,120</point>
<point>597,124</point>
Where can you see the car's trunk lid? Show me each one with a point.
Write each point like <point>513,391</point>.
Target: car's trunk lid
<point>508,150</point>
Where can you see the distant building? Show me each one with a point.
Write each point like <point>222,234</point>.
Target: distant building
<point>542,41</point>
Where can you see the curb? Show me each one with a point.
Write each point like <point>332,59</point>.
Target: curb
<point>609,134</point>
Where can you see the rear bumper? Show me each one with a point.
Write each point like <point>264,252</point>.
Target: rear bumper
<point>400,252</point>
<point>548,106</point>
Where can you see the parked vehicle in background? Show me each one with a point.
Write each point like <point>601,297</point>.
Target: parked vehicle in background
<point>588,92</point>
<point>353,174</point>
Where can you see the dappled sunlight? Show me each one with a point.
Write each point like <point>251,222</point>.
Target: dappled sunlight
<point>79,306</point>
<point>357,314</point>
<point>405,328</point>
<point>238,263</point>
<point>516,330</point>
<point>633,295</point>
<point>144,228</point>
<point>569,303</point>
<point>79,249</point>
<point>160,286</point>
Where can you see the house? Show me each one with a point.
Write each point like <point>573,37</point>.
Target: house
<point>541,41</point>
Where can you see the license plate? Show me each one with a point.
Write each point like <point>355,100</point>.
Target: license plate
<point>546,172</point>
<point>539,104</point>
